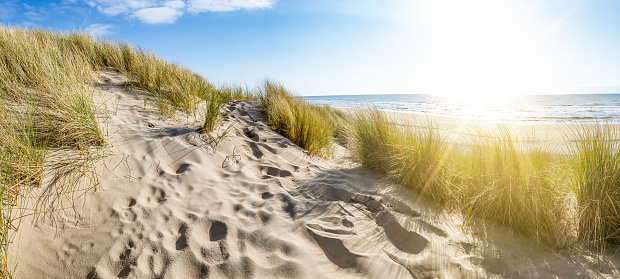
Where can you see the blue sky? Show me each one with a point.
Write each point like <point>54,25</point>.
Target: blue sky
<point>316,47</point>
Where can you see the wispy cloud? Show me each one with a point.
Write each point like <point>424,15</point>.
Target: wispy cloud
<point>198,6</point>
<point>157,15</point>
<point>35,14</point>
<point>168,11</point>
<point>117,7</point>
<point>8,9</point>
<point>99,30</point>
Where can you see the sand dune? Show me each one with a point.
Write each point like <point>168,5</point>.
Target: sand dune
<point>170,203</point>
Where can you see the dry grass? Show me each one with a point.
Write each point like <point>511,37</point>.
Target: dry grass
<point>509,181</point>
<point>304,124</point>
<point>496,176</point>
<point>45,103</point>
<point>596,163</point>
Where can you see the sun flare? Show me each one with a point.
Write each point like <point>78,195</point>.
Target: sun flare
<point>484,48</point>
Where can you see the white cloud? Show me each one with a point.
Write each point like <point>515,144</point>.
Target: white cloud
<point>157,15</point>
<point>197,6</point>
<point>99,30</point>
<point>8,9</point>
<point>116,7</point>
<point>177,4</point>
<point>168,11</point>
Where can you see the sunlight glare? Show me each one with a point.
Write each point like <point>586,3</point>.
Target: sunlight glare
<point>484,49</point>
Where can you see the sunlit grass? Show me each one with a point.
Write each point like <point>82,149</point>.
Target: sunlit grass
<point>507,180</point>
<point>596,162</point>
<point>235,92</point>
<point>304,124</point>
<point>46,103</point>
<point>493,176</point>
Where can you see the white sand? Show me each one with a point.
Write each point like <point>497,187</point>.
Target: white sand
<point>169,204</point>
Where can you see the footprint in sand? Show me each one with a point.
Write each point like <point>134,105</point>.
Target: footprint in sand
<point>266,195</point>
<point>406,241</point>
<point>151,196</point>
<point>207,241</point>
<point>275,172</point>
<point>182,240</point>
<point>251,134</point>
<point>334,249</point>
<point>288,205</point>
<point>67,253</point>
<point>258,154</point>
<point>183,168</point>
<point>218,231</point>
<point>123,208</point>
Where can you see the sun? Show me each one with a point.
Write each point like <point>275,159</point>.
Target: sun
<point>483,50</point>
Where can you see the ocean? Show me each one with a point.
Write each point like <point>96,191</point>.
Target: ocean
<point>528,109</point>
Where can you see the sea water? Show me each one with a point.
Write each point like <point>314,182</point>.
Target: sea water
<point>527,109</point>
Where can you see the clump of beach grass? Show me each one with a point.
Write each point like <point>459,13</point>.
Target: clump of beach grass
<point>215,100</point>
<point>236,92</point>
<point>303,123</point>
<point>22,154</point>
<point>493,175</point>
<point>46,104</point>
<point>408,154</point>
<point>595,152</point>
<point>212,113</point>
<point>509,181</point>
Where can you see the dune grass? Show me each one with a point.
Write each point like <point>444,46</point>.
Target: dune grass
<point>557,199</point>
<point>22,153</point>
<point>412,156</point>
<point>46,80</point>
<point>596,163</point>
<point>236,92</point>
<point>304,124</point>
<point>216,98</point>
<point>493,175</point>
<point>173,85</point>
<point>507,180</point>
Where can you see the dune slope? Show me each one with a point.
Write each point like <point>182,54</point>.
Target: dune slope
<point>171,203</point>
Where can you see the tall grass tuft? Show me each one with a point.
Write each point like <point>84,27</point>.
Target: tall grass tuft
<point>212,113</point>
<point>596,154</point>
<point>410,155</point>
<point>22,154</point>
<point>512,182</point>
<point>235,92</point>
<point>493,176</point>
<point>304,124</point>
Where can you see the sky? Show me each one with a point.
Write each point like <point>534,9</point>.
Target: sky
<point>480,48</point>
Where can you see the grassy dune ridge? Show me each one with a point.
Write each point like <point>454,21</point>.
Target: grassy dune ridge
<point>46,80</point>
<point>557,199</point>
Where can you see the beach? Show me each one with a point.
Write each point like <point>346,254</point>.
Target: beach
<point>168,202</point>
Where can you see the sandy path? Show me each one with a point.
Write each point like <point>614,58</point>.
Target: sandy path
<point>171,204</point>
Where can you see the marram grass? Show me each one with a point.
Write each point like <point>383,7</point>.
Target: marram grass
<point>596,161</point>
<point>557,199</point>
<point>493,175</point>
<point>304,124</point>
<point>46,102</point>
<point>509,181</point>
